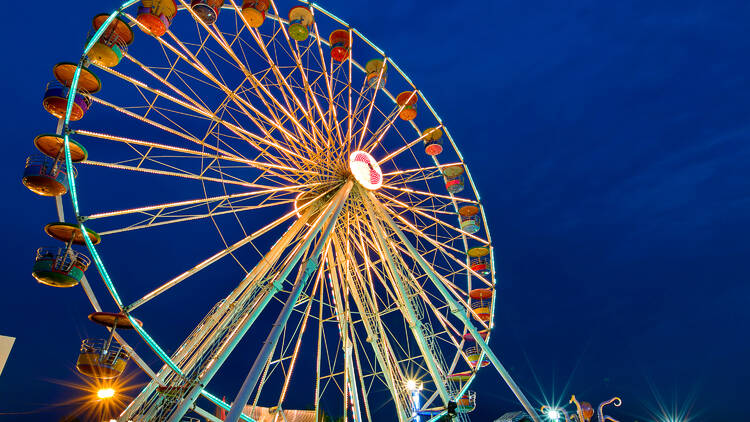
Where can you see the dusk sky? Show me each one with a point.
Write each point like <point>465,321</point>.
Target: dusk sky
<point>609,142</point>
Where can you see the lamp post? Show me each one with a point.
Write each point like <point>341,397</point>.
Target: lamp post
<point>104,394</point>
<point>414,387</point>
<point>554,414</point>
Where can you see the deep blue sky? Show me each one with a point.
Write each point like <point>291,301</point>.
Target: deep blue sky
<point>609,141</point>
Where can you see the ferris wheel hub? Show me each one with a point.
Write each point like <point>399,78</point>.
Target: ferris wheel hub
<point>366,170</point>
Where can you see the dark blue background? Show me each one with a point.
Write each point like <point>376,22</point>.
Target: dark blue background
<point>609,141</point>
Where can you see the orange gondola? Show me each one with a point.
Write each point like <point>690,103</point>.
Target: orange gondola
<point>407,100</point>
<point>57,92</point>
<point>481,302</point>
<point>71,233</point>
<point>113,42</point>
<point>88,82</point>
<point>254,12</point>
<point>157,15</point>
<point>46,174</point>
<point>433,142</point>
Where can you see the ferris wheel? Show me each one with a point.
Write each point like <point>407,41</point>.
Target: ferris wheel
<point>331,183</point>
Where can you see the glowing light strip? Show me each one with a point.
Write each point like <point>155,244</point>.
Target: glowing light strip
<point>279,77</point>
<point>174,174</point>
<point>208,261</point>
<point>430,194</point>
<point>437,167</point>
<point>191,202</point>
<point>195,63</point>
<point>248,74</point>
<point>232,158</point>
<point>437,220</point>
<point>405,147</point>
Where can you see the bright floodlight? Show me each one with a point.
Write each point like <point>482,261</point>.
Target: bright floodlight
<point>553,414</point>
<point>105,393</point>
<point>411,385</point>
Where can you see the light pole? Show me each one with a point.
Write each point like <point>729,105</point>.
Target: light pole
<point>104,394</point>
<point>414,387</point>
<point>554,414</point>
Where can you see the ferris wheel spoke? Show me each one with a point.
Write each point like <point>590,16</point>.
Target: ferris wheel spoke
<point>201,201</point>
<point>431,195</point>
<point>312,264</point>
<point>285,89</point>
<point>158,220</point>
<point>386,126</point>
<point>442,248</point>
<point>364,245</point>
<point>349,105</point>
<point>307,87</point>
<point>178,133</point>
<point>461,310</point>
<point>195,100</point>
<point>204,109</point>
<point>387,213</point>
<point>406,147</point>
<point>361,105</point>
<point>184,175</point>
<point>442,223</point>
<point>328,80</point>
<point>189,58</point>
<point>418,169</point>
<point>455,290</point>
<point>157,92</point>
<point>421,205</point>
<point>305,82</point>
<point>371,103</point>
<point>144,119</point>
<point>302,330</point>
<point>427,348</point>
<point>219,38</point>
<point>281,171</point>
<point>367,306</point>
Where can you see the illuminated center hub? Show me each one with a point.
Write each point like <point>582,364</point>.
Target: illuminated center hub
<point>365,170</point>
